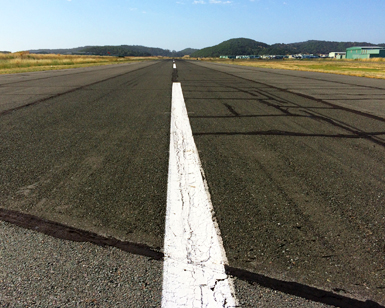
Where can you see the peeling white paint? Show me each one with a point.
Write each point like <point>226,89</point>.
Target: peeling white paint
<point>193,273</point>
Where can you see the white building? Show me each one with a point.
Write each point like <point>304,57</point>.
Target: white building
<point>337,55</point>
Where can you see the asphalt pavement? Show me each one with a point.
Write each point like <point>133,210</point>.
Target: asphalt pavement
<point>294,162</point>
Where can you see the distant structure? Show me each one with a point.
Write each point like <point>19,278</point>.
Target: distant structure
<point>246,57</point>
<point>227,57</point>
<point>337,55</point>
<point>365,52</point>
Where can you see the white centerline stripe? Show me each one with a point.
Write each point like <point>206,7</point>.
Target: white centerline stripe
<point>193,272</point>
<point>174,66</point>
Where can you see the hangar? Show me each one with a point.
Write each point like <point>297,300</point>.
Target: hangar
<point>365,52</point>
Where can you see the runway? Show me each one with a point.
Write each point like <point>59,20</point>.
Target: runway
<point>294,164</point>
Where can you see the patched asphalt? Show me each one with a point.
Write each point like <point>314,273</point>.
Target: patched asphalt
<point>297,184</point>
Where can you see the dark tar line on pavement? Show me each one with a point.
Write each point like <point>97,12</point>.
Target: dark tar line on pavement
<point>64,232</point>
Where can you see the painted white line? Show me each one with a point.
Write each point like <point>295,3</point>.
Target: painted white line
<point>174,66</point>
<point>193,271</point>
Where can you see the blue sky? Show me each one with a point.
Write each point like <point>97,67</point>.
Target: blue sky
<point>178,24</point>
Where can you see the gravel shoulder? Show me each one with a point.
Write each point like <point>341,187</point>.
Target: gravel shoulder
<point>41,271</point>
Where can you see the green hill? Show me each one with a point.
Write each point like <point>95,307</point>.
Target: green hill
<point>239,46</point>
<point>122,50</point>
<point>114,51</point>
<point>242,46</point>
<point>322,47</point>
<point>185,52</point>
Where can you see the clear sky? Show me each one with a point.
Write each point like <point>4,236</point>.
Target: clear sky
<point>178,24</point>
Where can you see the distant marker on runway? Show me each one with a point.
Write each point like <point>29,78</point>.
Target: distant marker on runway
<point>193,272</point>
<point>174,66</point>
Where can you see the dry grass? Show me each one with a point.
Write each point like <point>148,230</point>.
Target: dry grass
<point>372,68</point>
<point>25,62</point>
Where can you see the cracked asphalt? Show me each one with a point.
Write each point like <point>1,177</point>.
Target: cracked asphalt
<point>294,163</point>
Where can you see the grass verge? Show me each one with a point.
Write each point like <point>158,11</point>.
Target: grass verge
<point>371,68</point>
<point>22,62</point>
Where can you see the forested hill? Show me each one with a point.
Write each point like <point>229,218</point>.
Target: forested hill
<point>242,46</point>
<point>238,46</point>
<point>122,50</point>
<point>315,47</point>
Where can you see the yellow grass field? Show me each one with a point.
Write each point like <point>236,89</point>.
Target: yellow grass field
<point>24,62</point>
<point>371,68</point>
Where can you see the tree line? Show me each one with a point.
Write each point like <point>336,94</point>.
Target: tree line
<point>242,46</point>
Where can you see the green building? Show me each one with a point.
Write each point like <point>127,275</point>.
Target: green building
<point>365,52</point>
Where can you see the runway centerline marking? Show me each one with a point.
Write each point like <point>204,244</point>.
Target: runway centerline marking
<point>193,272</point>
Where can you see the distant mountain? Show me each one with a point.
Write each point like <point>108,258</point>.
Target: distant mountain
<point>186,52</point>
<point>318,47</point>
<point>62,51</point>
<point>122,50</point>
<point>239,46</point>
<point>242,46</point>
